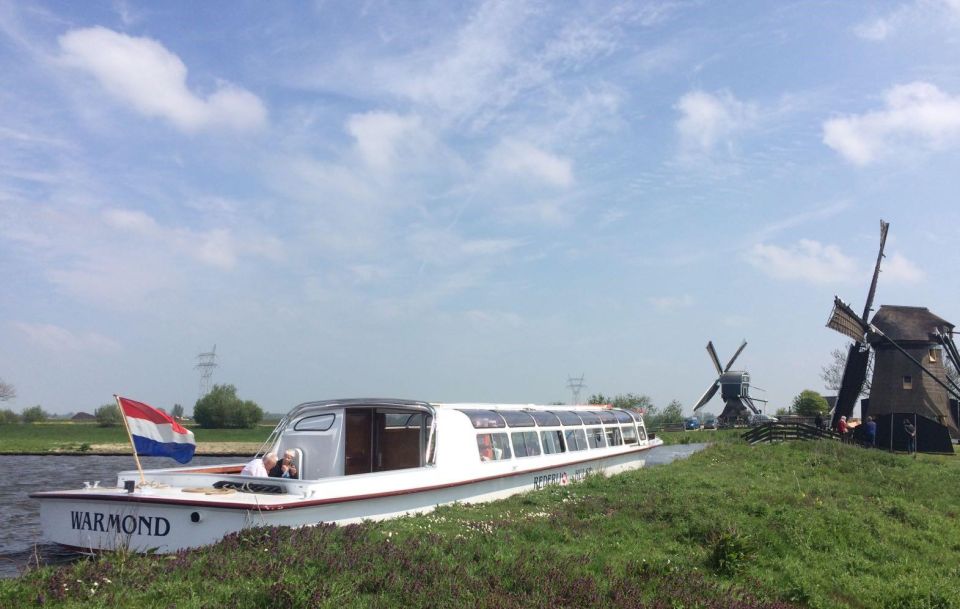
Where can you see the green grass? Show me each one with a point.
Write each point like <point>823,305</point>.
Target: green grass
<point>63,436</point>
<point>704,436</point>
<point>805,524</point>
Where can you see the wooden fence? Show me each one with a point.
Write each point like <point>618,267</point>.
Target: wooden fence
<point>784,432</point>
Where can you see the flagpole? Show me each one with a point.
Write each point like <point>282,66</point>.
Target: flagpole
<point>126,426</point>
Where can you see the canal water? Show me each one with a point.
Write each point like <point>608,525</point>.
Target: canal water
<point>21,543</point>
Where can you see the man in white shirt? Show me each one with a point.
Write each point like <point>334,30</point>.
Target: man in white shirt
<point>260,467</point>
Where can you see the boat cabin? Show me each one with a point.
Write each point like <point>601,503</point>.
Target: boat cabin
<point>345,438</point>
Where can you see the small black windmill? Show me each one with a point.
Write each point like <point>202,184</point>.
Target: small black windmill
<point>910,345</point>
<point>734,387</point>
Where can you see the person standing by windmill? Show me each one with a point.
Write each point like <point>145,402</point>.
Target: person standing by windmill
<point>842,428</point>
<point>911,431</point>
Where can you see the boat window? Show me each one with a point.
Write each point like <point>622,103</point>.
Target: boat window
<point>568,417</point>
<point>493,446</point>
<point>552,441</point>
<point>320,422</point>
<point>622,416</point>
<point>545,418</point>
<point>483,419</point>
<point>636,416</point>
<point>576,439</point>
<point>589,418</point>
<point>613,436</point>
<point>525,443</point>
<point>629,434</point>
<point>398,420</point>
<point>516,418</point>
<point>595,437</point>
<point>642,433</point>
<point>606,416</point>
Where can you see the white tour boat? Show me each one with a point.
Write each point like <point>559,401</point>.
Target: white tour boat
<point>358,459</point>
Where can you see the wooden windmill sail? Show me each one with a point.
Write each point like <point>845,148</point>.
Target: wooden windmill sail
<point>734,387</point>
<point>846,322</point>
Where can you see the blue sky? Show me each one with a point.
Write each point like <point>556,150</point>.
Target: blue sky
<point>463,201</point>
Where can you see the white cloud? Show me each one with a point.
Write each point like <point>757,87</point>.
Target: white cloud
<point>707,120</point>
<point>808,261</point>
<point>919,14</point>
<point>514,157</point>
<point>217,247</point>
<point>444,247</point>
<point>59,339</point>
<point>916,115</point>
<point>147,76</point>
<point>130,221</point>
<point>494,318</point>
<point>877,29</point>
<point>897,268</point>
<point>382,138</point>
<point>547,212</point>
<point>671,303</point>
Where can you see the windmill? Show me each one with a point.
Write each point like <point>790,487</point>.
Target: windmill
<point>910,345</point>
<point>734,387</point>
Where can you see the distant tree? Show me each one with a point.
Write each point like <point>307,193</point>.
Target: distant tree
<point>634,401</point>
<point>8,416</point>
<point>809,403</point>
<point>34,414</point>
<point>7,391</point>
<point>672,413</point>
<point>108,415</point>
<point>832,373</point>
<point>176,412</point>
<point>222,408</point>
<point>623,400</point>
<point>781,412</point>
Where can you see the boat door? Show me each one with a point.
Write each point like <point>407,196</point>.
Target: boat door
<point>358,449</point>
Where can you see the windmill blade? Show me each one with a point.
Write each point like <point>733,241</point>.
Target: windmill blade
<point>708,395</point>
<point>846,322</point>
<point>713,356</point>
<point>735,355</point>
<point>876,270</point>
<point>854,374</point>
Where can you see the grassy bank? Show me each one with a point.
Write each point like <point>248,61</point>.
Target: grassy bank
<point>60,437</point>
<point>805,524</point>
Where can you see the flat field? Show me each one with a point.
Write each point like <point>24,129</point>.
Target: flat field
<point>807,524</point>
<point>64,437</point>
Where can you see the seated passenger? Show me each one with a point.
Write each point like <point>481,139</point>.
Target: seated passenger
<point>285,468</point>
<point>260,467</point>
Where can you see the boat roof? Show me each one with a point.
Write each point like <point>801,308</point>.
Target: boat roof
<point>490,406</point>
<point>306,407</point>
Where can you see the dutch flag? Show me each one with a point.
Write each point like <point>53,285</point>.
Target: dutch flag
<point>155,434</point>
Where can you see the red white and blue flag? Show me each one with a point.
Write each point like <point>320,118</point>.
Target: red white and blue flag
<point>155,434</point>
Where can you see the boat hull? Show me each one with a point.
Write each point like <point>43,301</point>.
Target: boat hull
<point>169,519</point>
